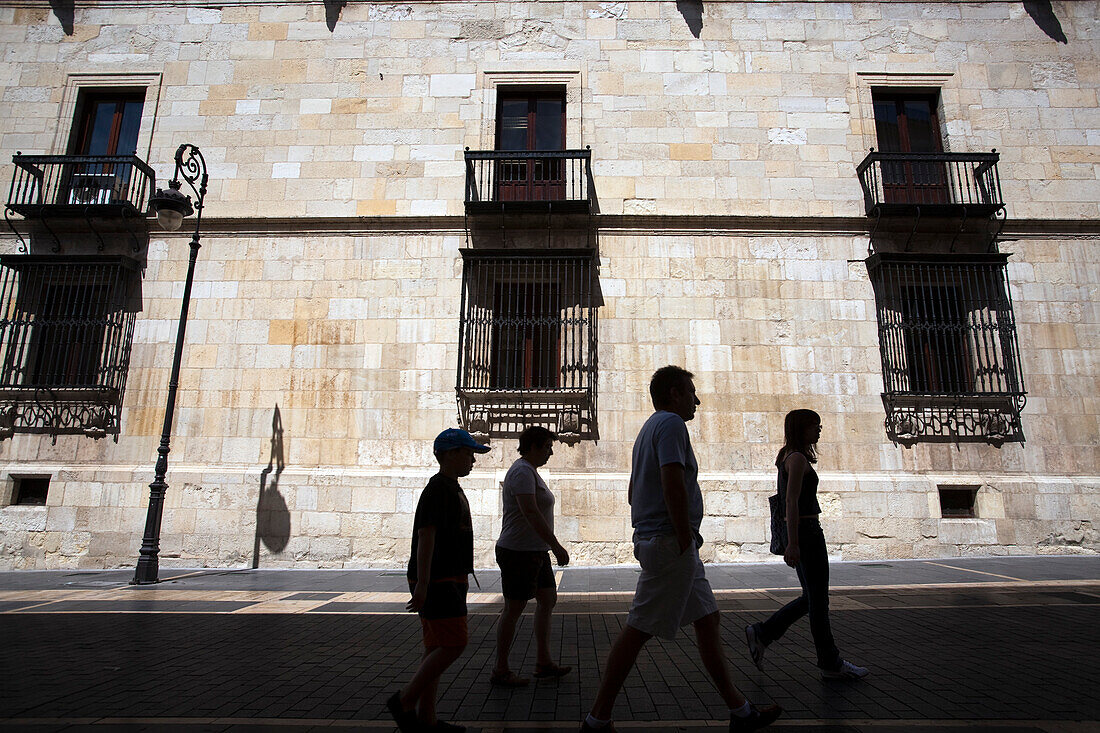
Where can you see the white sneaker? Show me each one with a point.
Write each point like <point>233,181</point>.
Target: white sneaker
<point>756,646</point>
<point>846,671</point>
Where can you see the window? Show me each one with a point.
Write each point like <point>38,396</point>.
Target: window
<point>106,126</point>
<point>527,341</point>
<point>65,343</point>
<point>957,502</point>
<point>950,357</point>
<point>908,123</point>
<point>30,490</point>
<point>529,121</point>
<point>937,352</point>
<point>107,122</point>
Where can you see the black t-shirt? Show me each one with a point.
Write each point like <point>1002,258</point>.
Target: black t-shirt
<point>443,505</point>
<point>807,497</point>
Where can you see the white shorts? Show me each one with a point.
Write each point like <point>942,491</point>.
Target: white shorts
<point>672,591</point>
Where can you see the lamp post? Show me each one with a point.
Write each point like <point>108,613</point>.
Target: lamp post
<point>172,207</point>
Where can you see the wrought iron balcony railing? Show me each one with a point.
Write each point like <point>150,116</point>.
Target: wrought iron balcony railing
<point>80,185</point>
<point>558,180</point>
<point>935,183</point>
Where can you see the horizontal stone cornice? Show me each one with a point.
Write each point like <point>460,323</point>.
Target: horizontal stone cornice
<point>617,223</point>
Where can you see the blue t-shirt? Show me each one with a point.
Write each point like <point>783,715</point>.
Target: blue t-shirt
<point>662,440</point>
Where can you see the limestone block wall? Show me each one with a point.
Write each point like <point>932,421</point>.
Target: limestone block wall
<point>322,346</point>
<point>325,391</point>
<point>766,112</point>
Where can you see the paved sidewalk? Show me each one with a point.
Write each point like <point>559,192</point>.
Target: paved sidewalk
<point>996,644</point>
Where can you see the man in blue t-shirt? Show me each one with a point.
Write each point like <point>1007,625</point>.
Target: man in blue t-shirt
<point>666,508</point>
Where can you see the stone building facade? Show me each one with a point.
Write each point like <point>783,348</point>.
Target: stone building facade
<point>374,268</point>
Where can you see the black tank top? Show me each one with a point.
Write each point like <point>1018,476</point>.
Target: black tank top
<point>807,498</point>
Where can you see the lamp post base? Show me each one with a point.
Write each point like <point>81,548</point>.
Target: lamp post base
<point>146,572</point>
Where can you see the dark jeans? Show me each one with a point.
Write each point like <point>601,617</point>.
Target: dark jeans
<point>813,575</point>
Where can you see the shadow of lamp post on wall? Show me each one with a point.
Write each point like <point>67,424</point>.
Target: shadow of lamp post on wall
<point>172,207</point>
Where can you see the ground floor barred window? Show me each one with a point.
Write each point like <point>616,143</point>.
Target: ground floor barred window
<point>66,329</point>
<point>527,342</point>
<point>950,355</point>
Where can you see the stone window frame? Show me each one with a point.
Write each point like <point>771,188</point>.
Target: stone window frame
<point>945,83</point>
<point>491,81</point>
<point>75,83</point>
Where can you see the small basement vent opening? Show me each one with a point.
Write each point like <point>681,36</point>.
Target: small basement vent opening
<point>30,490</point>
<point>958,502</point>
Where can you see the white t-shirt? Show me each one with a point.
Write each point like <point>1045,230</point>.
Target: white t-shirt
<point>663,440</point>
<point>516,532</point>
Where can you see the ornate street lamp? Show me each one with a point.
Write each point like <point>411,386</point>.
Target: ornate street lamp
<point>172,207</point>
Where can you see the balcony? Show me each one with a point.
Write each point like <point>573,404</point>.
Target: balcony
<point>933,184</point>
<point>65,186</point>
<point>529,181</point>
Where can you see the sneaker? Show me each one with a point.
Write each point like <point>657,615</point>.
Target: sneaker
<point>509,679</point>
<point>846,671</point>
<point>757,646</point>
<point>551,671</point>
<point>405,719</point>
<point>760,717</point>
<point>442,725</point>
<point>586,728</point>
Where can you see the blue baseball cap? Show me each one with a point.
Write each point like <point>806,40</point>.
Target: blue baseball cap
<point>452,438</point>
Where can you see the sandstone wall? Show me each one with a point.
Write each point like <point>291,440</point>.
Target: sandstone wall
<point>329,281</point>
<point>360,370</point>
<point>765,113</point>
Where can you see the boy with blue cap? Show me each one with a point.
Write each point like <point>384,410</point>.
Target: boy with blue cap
<point>442,558</point>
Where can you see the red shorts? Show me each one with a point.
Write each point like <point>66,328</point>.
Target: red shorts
<point>446,632</point>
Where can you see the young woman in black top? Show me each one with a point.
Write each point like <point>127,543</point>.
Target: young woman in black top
<point>806,551</point>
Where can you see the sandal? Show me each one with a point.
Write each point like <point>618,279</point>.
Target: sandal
<point>511,679</point>
<point>551,671</point>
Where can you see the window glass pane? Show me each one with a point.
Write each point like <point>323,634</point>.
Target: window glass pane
<point>923,135</point>
<point>886,126</point>
<point>128,130</point>
<point>103,118</point>
<point>548,123</point>
<point>513,125</point>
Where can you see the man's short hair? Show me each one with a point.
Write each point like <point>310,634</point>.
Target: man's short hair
<point>533,437</point>
<point>663,382</point>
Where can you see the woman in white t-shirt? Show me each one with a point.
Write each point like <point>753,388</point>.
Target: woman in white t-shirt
<point>523,554</point>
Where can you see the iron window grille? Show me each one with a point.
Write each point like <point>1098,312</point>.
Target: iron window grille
<point>66,329</point>
<point>527,342</point>
<point>950,355</point>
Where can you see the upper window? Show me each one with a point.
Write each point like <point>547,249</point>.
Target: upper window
<point>908,123</point>
<point>107,122</point>
<point>528,122</point>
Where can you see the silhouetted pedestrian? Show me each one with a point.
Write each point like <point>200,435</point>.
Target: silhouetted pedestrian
<point>806,551</point>
<point>442,559</point>
<point>666,509</point>
<point>523,554</point>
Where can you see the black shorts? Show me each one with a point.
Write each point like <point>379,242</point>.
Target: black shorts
<point>524,573</point>
<point>446,599</point>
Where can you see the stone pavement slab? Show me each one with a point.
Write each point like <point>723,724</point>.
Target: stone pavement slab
<point>1005,646</point>
<point>764,575</point>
